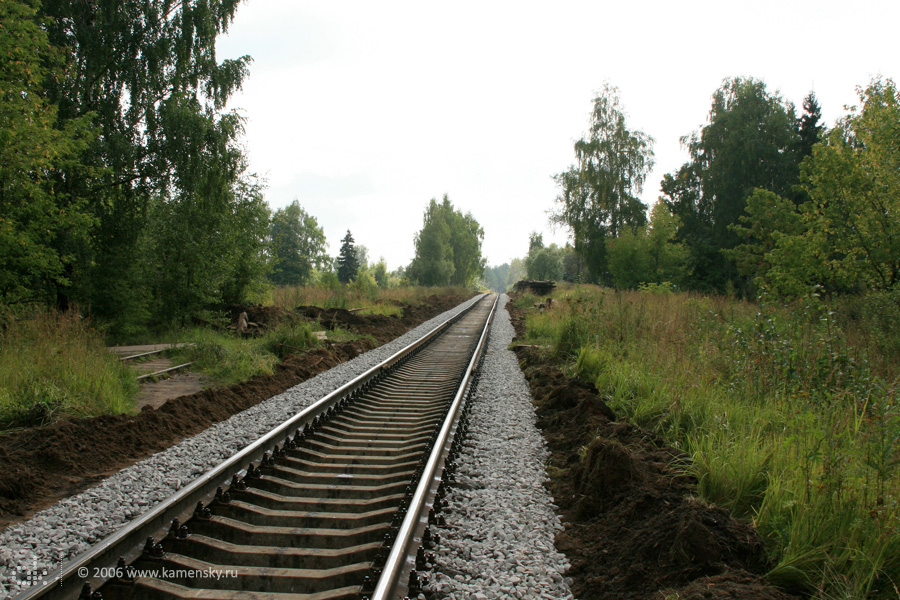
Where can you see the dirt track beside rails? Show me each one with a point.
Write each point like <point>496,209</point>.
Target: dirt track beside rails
<point>39,466</point>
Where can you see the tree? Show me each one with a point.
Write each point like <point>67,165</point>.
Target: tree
<point>380,273</point>
<point>599,194</point>
<point>36,220</point>
<point>845,237</point>
<point>545,264</point>
<point>296,246</point>
<point>145,73</point>
<point>629,259</point>
<point>810,129</point>
<point>362,257</point>
<point>768,219</point>
<point>750,141</point>
<point>448,247</point>
<point>649,255</point>
<point>516,272</point>
<point>347,262</point>
<point>574,269</point>
<point>853,180</point>
<point>495,277</point>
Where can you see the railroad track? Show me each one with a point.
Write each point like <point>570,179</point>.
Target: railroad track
<point>335,503</point>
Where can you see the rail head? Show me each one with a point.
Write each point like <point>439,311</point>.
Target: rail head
<point>67,581</point>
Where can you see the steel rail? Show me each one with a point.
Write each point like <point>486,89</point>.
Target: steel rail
<point>392,583</point>
<point>164,371</point>
<point>66,582</point>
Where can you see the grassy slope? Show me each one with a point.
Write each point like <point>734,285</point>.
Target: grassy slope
<point>790,414</point>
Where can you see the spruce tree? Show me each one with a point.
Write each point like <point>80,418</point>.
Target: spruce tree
<point>348,264</point>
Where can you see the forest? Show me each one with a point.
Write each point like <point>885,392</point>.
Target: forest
<point>124,186</point>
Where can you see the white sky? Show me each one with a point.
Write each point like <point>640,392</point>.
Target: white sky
<point>363,111</point>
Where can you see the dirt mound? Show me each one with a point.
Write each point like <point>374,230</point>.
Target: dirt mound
<point>40,465</point>
<point>257,313</point>
<point>634,526</point>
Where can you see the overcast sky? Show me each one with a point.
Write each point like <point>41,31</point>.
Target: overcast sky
<point>363,111</point>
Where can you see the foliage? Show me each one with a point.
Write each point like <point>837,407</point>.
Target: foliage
<point>380,273</point>
<point>766,229</point>
<point>129,128</point>
<point>296,246</point>
<point>599,194</point>
<point>844,237</point>
<point>53,365</point>
<point>649,255</point>
<point>365,286</point>
<point>347,261</point>
<point>206,243</point>
<point>853,179</point>
<point>495,277</point>
<point>35,217</point>
<point>789,413</point>
<point>516,272</point>
<point>350,296</point>
<point>448,247</point>
<point>751,141</point>
<point>545,263</point>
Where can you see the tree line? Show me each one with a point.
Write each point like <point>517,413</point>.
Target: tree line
<point>768,200</point>
<point>123,185</point>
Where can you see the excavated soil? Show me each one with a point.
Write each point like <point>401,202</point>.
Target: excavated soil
<point>40,465</point>
<point>634,525</point>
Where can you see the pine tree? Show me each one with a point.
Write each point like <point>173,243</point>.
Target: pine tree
<point>810,129</point>
<point>348,264</point>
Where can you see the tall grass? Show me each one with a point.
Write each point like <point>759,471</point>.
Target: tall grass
<point>790,413</point>
<point>356,295</point>
<point>53,365</point>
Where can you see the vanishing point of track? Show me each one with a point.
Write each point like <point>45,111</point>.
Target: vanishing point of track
<point>334,503</point>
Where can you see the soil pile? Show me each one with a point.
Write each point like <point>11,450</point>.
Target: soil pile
<point>634,525</point>
<point>40,465</point>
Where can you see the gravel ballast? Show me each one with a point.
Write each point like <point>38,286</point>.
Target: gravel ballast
<point>500,523</point>
<point>501,520</point>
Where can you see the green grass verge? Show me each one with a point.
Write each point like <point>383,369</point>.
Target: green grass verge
<point>790,414</point>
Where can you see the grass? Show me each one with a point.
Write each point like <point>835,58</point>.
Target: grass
<point>53,365</point>
<point>354,296</point>
<point>229,359</point>
<point>388,310</point>
<point>789,412</point>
